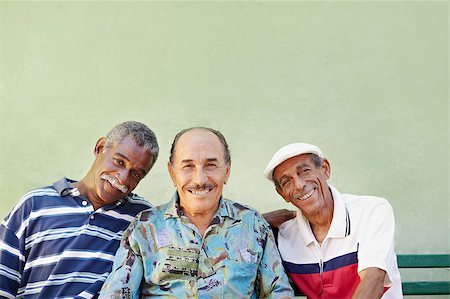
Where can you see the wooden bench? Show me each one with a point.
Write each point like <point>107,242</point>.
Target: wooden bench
<point>428,261</point>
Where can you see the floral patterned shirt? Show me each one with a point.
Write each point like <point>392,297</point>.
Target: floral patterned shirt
<point>163,254</point>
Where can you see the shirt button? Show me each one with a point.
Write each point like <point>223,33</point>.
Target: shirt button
<point>92,217</point>
<point>84,203</point>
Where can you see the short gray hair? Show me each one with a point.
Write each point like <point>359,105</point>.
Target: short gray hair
<point>138,132</point>
<point>226,150</point>
<point>318,161</point>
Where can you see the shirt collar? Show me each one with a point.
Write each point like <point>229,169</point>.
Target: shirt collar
<point>64,188</point>
<point>304,228</point>
<point>340,224</point>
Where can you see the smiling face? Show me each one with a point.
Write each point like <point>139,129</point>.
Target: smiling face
<point>199,171</point>
<point>116,171</point>
<point>302,183</point>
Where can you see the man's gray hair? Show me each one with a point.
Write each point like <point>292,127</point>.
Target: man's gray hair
<point>226,150</point>
<point>318,161</point>
<point>138,132</point>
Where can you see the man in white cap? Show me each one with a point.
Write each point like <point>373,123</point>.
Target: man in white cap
<point>338,245</point>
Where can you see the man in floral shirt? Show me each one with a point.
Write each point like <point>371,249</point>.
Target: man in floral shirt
<point>199,245</point>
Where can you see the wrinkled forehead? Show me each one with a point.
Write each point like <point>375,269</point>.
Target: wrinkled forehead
<point>292,164</point>
<point>198,144</point>
<point>130,151</point>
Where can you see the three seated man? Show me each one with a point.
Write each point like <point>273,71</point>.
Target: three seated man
<point>60,241</point>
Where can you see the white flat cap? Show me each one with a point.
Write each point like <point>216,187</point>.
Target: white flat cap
<point>287,152</point>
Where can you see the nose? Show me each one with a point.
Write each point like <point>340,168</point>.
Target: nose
<point>299,183</point>
<point>122,176</point>
<point>200,177</point>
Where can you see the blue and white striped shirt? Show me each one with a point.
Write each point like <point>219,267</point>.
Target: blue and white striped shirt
<point>54,245</point>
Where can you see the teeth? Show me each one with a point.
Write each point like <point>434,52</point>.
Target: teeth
<point>122,189</point>
<point>199,192</point>
<point>307,195</point>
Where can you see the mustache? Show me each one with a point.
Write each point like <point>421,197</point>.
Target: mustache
<point>200,187</point>
<point>113,181</point>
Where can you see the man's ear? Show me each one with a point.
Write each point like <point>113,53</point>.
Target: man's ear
<point>326,168</point>
<point>227,174</point>
<point>99,146</point>
<point>172,173</point>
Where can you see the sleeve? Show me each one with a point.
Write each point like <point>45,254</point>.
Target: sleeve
<point>12,258</point>
<point>272,281</point>
<point>127,273</point>
<point>376,248</point>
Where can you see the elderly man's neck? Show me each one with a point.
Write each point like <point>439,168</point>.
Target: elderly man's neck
<point>320,227</point>
<point>201,219</point>
<point>320,223</point>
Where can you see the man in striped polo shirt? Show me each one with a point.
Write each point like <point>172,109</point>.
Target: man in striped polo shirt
<point>59,241</point>
<point>338,246</point>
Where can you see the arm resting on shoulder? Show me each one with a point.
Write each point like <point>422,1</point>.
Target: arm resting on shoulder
<point>371,284</point>
<point>278,217</point>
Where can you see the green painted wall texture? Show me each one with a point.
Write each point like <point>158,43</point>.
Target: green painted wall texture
<point>366,81</point>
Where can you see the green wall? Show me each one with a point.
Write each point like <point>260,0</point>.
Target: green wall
<point>366,81</point>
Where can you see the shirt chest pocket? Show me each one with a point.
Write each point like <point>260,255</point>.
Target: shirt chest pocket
<point>235,268</point>
<point>177,264</point>
<point>239,277</point>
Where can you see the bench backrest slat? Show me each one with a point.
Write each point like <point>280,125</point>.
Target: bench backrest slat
<point>426,288</point>
<point>423,260</point>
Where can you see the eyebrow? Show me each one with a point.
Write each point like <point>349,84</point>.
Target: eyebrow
<point>212,160</point>
<point>282,178</point>
<point>191,160</point>
<point>128,160</point>
<point>304,165</point>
